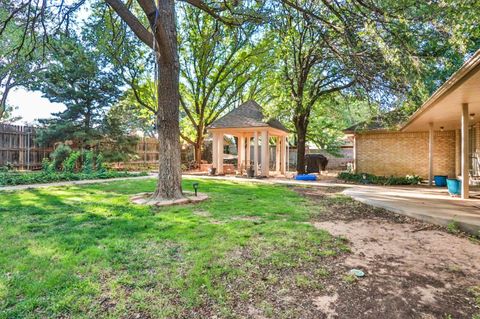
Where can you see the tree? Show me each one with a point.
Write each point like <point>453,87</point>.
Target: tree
<point>214,74</point>
<point>76,77</point>
<point>358,23</point>
<point>375,51</point>
<point>18,60</point>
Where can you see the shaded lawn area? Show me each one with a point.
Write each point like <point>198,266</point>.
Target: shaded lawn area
<point>86,251</point>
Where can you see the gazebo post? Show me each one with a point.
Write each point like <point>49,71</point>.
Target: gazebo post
<point>255,152</point>
<point>283,155</point>
<point>277,154</point>
<point>240,153</point>
<point>215,150</point>
<point>247,161</point>
<point>265,154</point>
<point>220,153</point>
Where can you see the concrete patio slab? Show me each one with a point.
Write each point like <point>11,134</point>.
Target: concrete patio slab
<point>432,205</point>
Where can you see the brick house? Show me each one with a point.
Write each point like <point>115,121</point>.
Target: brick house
<point>441,138</point>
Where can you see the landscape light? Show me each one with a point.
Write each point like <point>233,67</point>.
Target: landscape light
<point>195,187</point>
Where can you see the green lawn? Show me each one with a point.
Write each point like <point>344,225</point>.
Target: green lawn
<point>85,251</point>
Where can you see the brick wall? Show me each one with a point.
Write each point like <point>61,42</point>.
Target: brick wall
<point>400,153</point>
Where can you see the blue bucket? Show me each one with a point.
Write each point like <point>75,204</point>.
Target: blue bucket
<point>440,180</point>
<point>454,186</point>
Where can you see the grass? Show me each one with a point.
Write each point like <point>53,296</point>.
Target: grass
<point>86,251</point>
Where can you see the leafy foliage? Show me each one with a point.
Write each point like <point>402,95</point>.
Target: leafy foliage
<point>70,162</point>
<point>215,75</point>
<point>88,162</point>
<point>77,77</point>
<point>24,178</point>
<point>364,178</point>
<point>59,155</point>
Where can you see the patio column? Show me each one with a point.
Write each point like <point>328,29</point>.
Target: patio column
<point>458,159</point>
<point>220,154</point>
<point>241,153</point>
<point>215,150</point>
<point>247,161</point>
<point>265,154</point>
<point>465,159</point>
<point>278,158</point>
<point>430,153</point>
<point>255,152</point>
<point>283,155</point>
<point>355,153</point>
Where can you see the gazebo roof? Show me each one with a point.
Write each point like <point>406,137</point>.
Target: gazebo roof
<point>247,115</point>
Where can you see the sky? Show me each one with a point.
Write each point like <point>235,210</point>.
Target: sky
<point>31,105</point>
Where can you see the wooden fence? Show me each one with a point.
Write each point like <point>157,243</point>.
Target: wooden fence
<point>19,149</point>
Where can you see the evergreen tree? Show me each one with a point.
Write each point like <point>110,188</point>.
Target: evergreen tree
<point>80,79</point>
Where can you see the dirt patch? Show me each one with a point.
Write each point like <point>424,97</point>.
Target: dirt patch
<point>413,269</point>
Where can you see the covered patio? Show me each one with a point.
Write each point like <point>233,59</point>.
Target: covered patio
<point>248,124</point>
<point>455,106</point>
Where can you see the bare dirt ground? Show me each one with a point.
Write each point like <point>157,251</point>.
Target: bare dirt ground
<point>412,269</point>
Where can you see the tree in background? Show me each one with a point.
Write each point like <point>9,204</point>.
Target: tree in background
<point>19,61</point>
<point>376,52</point>
<point>216,74</point>
<point>388,27</point>
<point>77,77</point>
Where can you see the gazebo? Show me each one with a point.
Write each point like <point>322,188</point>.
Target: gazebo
<point>248,122</point>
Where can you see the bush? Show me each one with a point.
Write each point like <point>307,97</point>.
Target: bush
<point>87,166</point>
<point>7,167</point>
<point>379,180</point>
<point>100,163</point>
<point>59,155</point>
<point>47,165</point>
<point>24,178</point>
<point>70,162</point>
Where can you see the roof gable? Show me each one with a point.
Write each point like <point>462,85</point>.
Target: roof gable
<point>248,114</point>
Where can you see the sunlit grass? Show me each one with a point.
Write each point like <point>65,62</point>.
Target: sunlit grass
<point>86,251</point>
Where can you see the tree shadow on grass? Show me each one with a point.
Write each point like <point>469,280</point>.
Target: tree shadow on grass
<point>67,249</point>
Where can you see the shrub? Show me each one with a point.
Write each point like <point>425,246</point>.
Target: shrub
<point>379,180</point>
<point>69,163</point>
<point>87,166</point>
<point>7,167</point>
<point>47,166</point>
<point>100,163</point>
<point>23,178</point>
<point>59,155</point>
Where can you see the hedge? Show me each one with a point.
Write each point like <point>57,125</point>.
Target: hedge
<point>364,178</point>
<point>23,178</point>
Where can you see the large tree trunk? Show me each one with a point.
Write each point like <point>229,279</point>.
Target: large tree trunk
<point>198,151</point>
<point>301,127</point>
<point>169,173</point>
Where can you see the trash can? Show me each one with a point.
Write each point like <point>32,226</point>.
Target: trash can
<point>440,180</point>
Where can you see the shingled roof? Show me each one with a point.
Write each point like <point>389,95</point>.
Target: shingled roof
<point>249,114</point>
